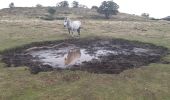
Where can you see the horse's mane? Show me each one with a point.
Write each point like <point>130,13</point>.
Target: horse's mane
<point>68,21</point>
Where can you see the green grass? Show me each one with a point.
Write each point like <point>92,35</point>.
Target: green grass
<point>146,83</point>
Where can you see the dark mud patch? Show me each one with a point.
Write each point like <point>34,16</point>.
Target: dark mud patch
<point>92,55</point>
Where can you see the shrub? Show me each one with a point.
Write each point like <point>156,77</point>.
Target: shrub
<point>51,11</point>
<point>50,16</point>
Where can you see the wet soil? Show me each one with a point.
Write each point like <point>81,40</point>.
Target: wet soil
<point>110,56</point>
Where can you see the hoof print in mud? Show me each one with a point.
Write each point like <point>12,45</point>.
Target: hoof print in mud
<point>110,56</point>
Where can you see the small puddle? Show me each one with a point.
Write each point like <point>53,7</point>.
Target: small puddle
<point>62,59</point>
<point>68,56</point>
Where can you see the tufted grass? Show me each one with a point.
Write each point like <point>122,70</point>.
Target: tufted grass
<point>146,83</point>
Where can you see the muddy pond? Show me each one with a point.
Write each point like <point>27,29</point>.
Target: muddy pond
<point>109,56</point>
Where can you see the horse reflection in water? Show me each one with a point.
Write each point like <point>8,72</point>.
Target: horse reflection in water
<point>72,56</point>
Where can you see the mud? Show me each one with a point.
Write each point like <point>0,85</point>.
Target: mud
<point>110,56</point>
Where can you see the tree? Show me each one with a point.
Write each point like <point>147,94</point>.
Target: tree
<point>39,5</point>
<point>94,7</point>
<point>82,6</point>
<point>108,8</point>
<point>63,4</point>
<point>145,15</point>
<point>11,5</point>
<point>75,4</point>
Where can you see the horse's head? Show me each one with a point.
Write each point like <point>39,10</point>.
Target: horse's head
<point>65,23</point>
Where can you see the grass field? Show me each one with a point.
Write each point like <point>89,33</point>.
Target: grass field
<point>146,83</point>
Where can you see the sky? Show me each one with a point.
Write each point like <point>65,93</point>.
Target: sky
<point>156,8</point>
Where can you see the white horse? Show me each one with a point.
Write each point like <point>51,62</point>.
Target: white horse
<point>72,26</point>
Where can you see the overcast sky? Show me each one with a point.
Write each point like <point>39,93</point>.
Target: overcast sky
<point>156,8</point>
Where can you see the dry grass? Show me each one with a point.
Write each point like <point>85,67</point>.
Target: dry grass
<point>76,13</point>
<point>146,83</point>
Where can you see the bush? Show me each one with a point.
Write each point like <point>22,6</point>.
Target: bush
<point>108,8</point>
<point>51,11</point>
<point>60,18</point>
<point>47,17</point>
<point>50,18</point>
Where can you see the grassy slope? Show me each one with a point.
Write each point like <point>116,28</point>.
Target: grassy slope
<point>147,83</point>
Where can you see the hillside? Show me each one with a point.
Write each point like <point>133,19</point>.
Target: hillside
<point>166,18</point>
<point>21,27</point>
<point>80,13</point>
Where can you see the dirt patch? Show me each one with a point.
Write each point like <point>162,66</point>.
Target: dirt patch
<point>92,55</point>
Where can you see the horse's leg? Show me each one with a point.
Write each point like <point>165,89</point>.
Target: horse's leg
<point>78,30</point>
<point>72,32</point>
<point>69,30</point>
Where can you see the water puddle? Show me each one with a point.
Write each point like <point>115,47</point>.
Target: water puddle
<point>98,56</point>
<point>68,56</point>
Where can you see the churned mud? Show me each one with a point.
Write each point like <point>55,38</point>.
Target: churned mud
<point>92,55</point>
